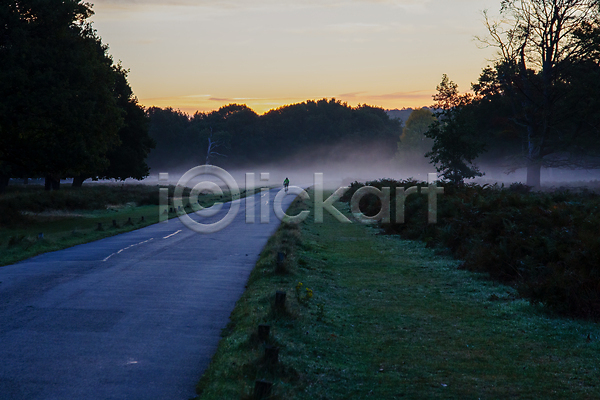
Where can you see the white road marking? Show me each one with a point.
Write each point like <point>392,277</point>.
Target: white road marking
<point>172,234</point>
<point>128,247</point>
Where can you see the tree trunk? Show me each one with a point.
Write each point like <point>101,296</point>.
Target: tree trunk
<point>51,182</point>
<point>4,179</point>
<point>534,174</point>
<point>78,181</point>
<point>48,183</point>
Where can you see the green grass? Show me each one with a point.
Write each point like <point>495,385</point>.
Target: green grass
<point>70,216</point>
<point>392,319</point>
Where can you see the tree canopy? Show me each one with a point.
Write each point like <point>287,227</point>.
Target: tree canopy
<point>312,128</point>
<point>546,79</point>
<point>62,99</point>
<point>538,105</point>
<point>128,160</point>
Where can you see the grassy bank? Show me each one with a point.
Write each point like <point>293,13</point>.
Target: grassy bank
<point>545,244</point>
<point>389,318</point>
<point>33,221</point>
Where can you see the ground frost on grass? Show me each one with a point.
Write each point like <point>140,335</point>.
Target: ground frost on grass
<point>391,319</point>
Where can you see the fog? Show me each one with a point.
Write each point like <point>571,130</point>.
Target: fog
<point>300,172</point>
<point>344,164</point>
<point>551,178</point>
<point>340,166</point>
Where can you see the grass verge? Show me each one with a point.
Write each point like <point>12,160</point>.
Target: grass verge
<point>33,221</point>
<point>389,319</point>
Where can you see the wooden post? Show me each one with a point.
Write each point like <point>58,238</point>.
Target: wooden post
<point>115,223</point>
<point>4,181</point>
<point>263,332</point>
<point>280,300</point>
<point>280,258</point>
<point>262,389</point>
<point>271,354</point>
<point>142,218</point>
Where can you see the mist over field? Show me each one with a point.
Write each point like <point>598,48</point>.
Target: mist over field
<point>366,166</point>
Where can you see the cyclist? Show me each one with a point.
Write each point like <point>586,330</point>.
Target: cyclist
<point>286,183</point>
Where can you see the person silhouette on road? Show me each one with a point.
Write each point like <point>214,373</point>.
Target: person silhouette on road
<point>286,183</point>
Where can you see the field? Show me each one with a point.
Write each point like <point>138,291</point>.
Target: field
<point>33,221</point>
<point>387,318</point>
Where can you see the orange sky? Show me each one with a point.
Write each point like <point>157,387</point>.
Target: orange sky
<point>203,54</point>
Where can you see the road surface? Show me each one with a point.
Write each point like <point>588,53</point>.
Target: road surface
<point>133,316</point>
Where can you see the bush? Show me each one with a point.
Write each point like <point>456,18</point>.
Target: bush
<point>546,244</point>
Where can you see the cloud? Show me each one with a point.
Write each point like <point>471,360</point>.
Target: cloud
<point>418,94</point>
<point>234,99</point>
<point>412,95</point>
<point>352,95</point>
<point>357,27</point>
<point>204,103</point>
<point>412,4</point>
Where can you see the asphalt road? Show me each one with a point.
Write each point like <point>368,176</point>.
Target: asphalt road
<point>133,316</point>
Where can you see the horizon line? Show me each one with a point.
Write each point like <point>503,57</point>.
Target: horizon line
<point>190,110</point>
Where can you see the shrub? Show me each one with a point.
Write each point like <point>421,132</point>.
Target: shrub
<point>546,244</point>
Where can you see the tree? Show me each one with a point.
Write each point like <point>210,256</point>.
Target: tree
<point>328,128</point>
<point>324,128</point>
<point>547,57</point>
<point>128,159</point>
<point>225,128</point>
<point>214,142</point>
<point>176,141</point>
<point>493,118</point>
<point>455,141</point>
<point>58,112</point>
<point>413,143</point>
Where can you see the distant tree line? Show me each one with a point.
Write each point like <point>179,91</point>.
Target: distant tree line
<point>413,144</point>
<point>66,109</point>
<point>239,136</point>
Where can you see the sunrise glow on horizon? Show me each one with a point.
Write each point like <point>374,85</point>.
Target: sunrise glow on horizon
<point>199,55</point>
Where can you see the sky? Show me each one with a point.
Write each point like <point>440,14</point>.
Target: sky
<point>199,55</point>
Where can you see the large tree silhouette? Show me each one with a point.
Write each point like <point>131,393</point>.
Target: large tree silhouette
<point>59,92</point>
<point>548,71</point>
